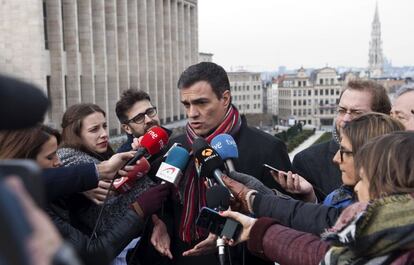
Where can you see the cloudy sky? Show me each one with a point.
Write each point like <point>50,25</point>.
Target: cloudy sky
<point>264,34</point>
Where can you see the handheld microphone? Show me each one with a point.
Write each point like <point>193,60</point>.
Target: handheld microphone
<point>152,142</point>
<point>125,183</point>
<point>171,170</point>
<point>218,199</point>
<point>209,160</point>
<point>226,147</point>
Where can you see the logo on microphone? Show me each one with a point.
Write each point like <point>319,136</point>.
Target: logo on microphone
<point>168,170</point>
<point>207,152</point>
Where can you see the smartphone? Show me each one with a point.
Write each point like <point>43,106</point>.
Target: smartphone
<point>274,169</point>
<point>216,224</point>
<point>30,174</point>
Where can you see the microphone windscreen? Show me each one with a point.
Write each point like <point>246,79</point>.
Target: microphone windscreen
<point>218,197</point>
<point>199,144</point>
<point>209,161</point>
<point>225,146</point>
<point>178,157</point>
<point>154,140</point>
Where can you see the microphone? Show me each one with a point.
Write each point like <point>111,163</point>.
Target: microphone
<point>124,184</point>
<point>152,142</point>
<point>171,170</point>
<point>208,160</point>
<point>226,147</point>
<point>218,199</point>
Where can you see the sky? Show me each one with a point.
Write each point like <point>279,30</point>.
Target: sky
<point>261,35</point>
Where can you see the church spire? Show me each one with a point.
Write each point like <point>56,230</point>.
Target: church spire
<point>375,47</point>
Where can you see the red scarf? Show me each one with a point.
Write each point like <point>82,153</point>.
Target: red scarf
<point>195,190</point>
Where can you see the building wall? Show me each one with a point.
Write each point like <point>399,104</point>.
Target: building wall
<point>92,50</point>
<point>309,99</point>
<point>247,91</point>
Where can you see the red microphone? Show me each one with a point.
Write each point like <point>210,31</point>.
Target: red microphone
<point>152,142</point>
<point>124,184</point>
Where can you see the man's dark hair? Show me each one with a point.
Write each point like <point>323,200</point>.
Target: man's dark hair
<point>212,73</point>
<point>380,102</point>
<point>128,99</point>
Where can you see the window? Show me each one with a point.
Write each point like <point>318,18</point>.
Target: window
<point>247,87</point>
<point>332,81</point>
<point>294,102</point>
<point>316,92</point>
<point>294,93</point>
<point>332,92</point>
<point>321,81</point>
<point>299,83</point>
<point>309,93</point>
<point>300,93</point>
<point>326,102</point>
<point>309,121</point>
<point>309,112</point>
<point>304,102</point>
<point>300,112</point>
<point>304,83</point>
<point>294,112</point>
<point>300,102</point>
<point>45,26</point>
<point>326,91</point>
<point>321,92</point>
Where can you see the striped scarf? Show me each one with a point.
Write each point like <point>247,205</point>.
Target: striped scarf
<point>195,190</point>
<point>375,235</point>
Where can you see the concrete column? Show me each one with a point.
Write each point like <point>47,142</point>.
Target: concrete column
<point>152,53</point>
<point>181,48</point>
<point>143,45</point>
<point>70,34</point>
<point>175,69</point>
<point>159,24</point>
<point>55,36</point>
<point>168,62</point>
<point>123,58</point>
<point>194,33</point>
<point>187,36</point>
<point>87,79</point>
<point>133,49</point>
<point>112,64</point>
<point>99,47</point>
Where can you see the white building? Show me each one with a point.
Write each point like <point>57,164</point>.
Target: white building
<point>247,91</point>
<point>309,99</point>
<point>273,98</point>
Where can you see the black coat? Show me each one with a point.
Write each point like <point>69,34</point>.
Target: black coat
<point>303,216</point>
<point>255,148</point>
<point>107,245</point>
<point>316,165</point>
<point>68,180</point>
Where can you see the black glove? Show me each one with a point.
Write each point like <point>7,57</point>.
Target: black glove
<point>151,200</point>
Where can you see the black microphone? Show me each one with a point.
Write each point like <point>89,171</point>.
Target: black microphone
<point>209,161</point>
<point>218,199</point>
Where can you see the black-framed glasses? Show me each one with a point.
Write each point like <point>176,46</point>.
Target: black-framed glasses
<point>140,117</point>
<point>343,151</point>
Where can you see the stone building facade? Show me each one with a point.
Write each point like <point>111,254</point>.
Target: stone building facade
<point>309,98</point>
<point>92,50</point>
<point>247,91</point>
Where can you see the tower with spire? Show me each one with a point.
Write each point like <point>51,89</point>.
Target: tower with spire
<point>376,58</point>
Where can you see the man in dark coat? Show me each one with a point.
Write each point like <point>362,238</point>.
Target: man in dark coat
<point>205,94</point>
<point>315,163</point>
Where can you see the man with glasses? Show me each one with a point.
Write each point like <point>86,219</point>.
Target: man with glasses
<point>315,163</point>
<point>136,114</point>
<point>403,106</point>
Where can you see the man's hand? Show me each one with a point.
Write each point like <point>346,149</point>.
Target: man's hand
<point>296,184</point>
<point>247,223</point>
<point>251,182</point>
<point>108,169</point>
<point>160,238</point>
<point>239,191</point>
<point>207,246</point>
<point>98,194</point>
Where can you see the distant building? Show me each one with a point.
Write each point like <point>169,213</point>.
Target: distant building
<point>247,91</point>
<point>376,58</point>
<point>273,98</point>
<point>91,51</point>
<point>309,99</point>
<point>205,57</point>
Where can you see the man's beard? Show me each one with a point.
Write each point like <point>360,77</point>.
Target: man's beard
<point>146,128</point>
